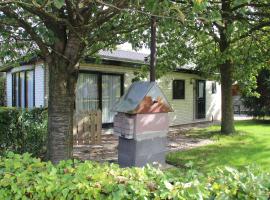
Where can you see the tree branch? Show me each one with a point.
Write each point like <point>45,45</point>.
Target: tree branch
<point>28,28</point>
<point>253,29</point>
<point>255,5</point>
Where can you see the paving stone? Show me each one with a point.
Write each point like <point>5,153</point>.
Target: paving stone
<point>107,150</point>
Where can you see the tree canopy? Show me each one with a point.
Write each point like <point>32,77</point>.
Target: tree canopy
<point>33,27</point>
<point>226,36</point>
<point>62,32</point>
<point>246,24</point>
<point>227,40</point>
<point>259,104</point>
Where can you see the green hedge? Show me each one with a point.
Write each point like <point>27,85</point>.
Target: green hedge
<point>23,177</point>
<point>2,90</point>
<point>23,130</point>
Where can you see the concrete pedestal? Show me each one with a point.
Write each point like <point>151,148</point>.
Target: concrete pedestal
<point>139,153</point>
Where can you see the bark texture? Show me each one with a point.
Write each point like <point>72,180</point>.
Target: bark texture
<point>60,112</point>
<point>227,122</point>
<point>153,55</point>
<point>62,84</point>
<point>226,72</point>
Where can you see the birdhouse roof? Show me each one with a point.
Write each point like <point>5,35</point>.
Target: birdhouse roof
<point>143,97</point>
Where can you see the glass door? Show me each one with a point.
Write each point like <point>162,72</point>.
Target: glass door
<point>111,92</point>
<point>200,99</point>
<point>98,91</point>
<point>87,92</point>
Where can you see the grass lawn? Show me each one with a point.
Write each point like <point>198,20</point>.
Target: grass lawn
<point>250,145</point>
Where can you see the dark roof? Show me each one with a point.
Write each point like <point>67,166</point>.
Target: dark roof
<point>126,56</point>
<point>116,57</point>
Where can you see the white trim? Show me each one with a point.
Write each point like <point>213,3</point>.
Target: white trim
<point>22,68</point>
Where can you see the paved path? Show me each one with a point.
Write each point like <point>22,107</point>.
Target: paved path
<point>107,150</point>
<point>242,117</point>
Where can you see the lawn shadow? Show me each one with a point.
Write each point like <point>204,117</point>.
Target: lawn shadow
<point>252,122</point>
<point>201,133</point>
<point>214,131</point>
<point>261,121</point>
<point>239,149</point>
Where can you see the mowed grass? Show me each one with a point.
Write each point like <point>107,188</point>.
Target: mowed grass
<point>249,146</point>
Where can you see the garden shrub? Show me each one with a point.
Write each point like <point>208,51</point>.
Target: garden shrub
<point>259,106</point>
<point>23,130</point>
<point>2,90</point>
<point>24,177</point>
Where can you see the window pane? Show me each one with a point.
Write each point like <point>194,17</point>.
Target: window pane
<point>17,91</point>
<point>30,89</point>
<point>178,89</point>
<point>13,89</point>
<point>22,89</point>
<point>201,89</point>
<point>16,95</point>
<point>86,92</point>
<point>111,92</point>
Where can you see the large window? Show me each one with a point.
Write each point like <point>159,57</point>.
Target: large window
<point>23,89</point>
<point>178,89</point>
<point>96,90</point>
<point>87,92</point>
<point>111,92</point>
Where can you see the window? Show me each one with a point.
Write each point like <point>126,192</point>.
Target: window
<point>214,87</point>
<point>23,89</point>
<point>96,90</point>
<point>29,87</point>
<point>178,89</point>
<point>87,96</point>
<point>111,93</point>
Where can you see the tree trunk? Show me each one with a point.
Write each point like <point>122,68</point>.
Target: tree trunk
<point>62,83</point>
<point>227,121</point>
<point>226,72</point>
<point>153,47</point>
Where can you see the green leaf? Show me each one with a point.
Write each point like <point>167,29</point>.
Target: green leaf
<point>168,185</point>
<point>179,13</point>
<point>59,3</point>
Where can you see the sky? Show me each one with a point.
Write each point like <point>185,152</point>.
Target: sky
<point>127,46</point>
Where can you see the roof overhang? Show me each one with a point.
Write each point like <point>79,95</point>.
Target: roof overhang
<point>122,58</point>
<point>5,68</point>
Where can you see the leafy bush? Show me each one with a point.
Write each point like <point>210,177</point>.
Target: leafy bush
<point>23,177</point>
<point>23,130</point>
<point>259,106</point>
<point>2,90</point>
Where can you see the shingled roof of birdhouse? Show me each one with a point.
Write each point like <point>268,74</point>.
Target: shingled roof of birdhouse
<point>143,97</point>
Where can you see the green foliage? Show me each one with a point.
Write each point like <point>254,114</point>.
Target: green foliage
<point>31,28</point>
<point>59,3</point>
<point>259,106</point>
<point>2,90</point>
<point>63,32</point>
<point>141,74</point>
<point>245,30</point>
<point>23,177</point>
<point>23,131</point>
